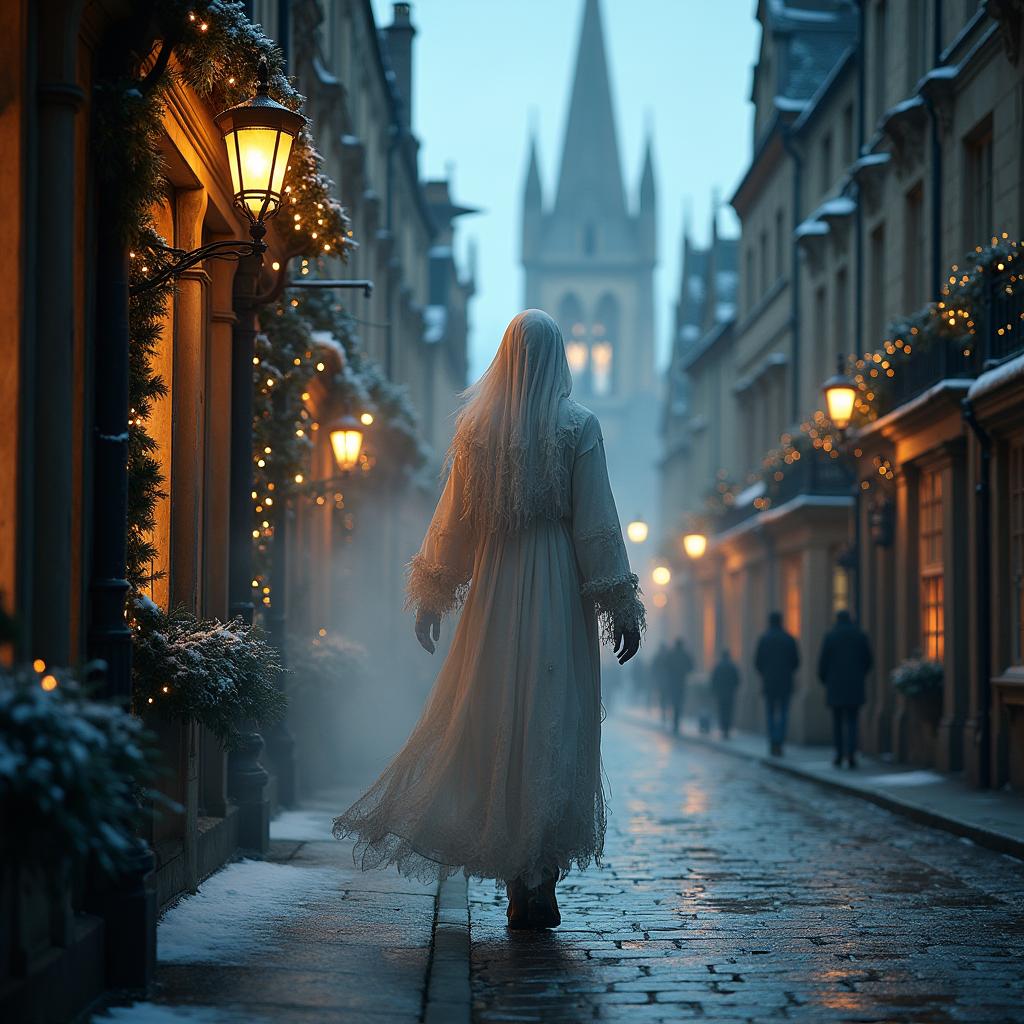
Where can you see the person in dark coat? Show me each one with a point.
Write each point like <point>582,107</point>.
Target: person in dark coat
<point>675,665</point>
<point>845,660</point>
<point>776,659</point>
<point>725,681</point>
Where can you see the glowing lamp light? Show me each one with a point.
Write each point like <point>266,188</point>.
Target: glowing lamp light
<point>259,134</point>
<point>661,575</point>
<point>840,395</point>
<point>576,353</point>
<point>366,419</point>
<point>695,544</point>
<point>637,531</point>
<point>659,600</point>
<point>347,442</point>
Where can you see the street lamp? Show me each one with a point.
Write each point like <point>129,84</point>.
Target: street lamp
<point>695,544</point>
<point>347,442</point>
<point>258,135</point>
<point>637,530</point>
<point>840,395</point>
<point>661,575</point>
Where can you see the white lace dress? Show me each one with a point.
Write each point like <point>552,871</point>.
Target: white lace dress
<point>501,777</point>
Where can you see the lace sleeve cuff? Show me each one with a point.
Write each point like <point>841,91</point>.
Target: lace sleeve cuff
<point>618,604</point>
<point>434,588</point>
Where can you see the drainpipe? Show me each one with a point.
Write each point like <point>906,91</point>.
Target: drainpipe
<point>858,269</point>
<point>983,496</point>
<point>794,273</point>
<point>935,260</point>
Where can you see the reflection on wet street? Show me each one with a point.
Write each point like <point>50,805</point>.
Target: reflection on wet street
<point>733,894</point>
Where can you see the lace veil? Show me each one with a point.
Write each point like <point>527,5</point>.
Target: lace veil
<point>509,437</point>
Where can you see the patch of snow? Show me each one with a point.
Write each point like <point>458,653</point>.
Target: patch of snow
<point>911,103</point>
<point>435,319</point>
<point>748,494</point>
<point>840,206</point>
<point>997,377</point>
<point>811,228</point>
<point>788,104</point>
<point>302,826</point>
<point>947,72</point>
<point>920,778</point>
<point>154,1013</point>
<point>235,915</point>
<point>870,160</point>
<point>780,9</point>
<point>324,339</point>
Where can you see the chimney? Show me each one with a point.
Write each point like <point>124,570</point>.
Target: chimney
<point>399,36</point>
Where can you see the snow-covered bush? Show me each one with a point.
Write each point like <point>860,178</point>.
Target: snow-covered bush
<point>71,769</point>
<point>219,674</point>
<point>918,677</point>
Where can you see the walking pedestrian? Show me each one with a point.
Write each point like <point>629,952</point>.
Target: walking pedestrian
<point>776,659</point>
<point>725,681</point>
<point>676,664</point>
<point>501,777</point>
<point>845,660</point>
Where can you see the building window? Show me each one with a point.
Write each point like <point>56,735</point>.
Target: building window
<point>822,347</point>
<point>929,505</point>
<point>826,163</point>
<point>841,313</point>
<point>791,607</point>
<point>710,634</point>
<point>917,34</point>
<point>763,255</point>
<point>849,142</point>
<point>840,589</point>
<point>1017,551</point>
<point>978,183</point>
<point>876,275</point>
<point>881,59</point>
<point>780,243</point>
<point>915,259</point>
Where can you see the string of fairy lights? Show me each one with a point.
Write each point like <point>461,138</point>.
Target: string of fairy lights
<point>954,318</point>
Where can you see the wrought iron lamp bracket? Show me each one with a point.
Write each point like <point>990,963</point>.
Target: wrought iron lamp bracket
<point>225,249</point>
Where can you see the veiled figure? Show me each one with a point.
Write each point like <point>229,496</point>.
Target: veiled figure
<point>501,777</point>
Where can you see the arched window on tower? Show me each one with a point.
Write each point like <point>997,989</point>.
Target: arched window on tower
<point>604,333</point>
<point>589,239</point>
<point>574,331</point>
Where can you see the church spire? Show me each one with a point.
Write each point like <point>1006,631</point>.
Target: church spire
<point>590,173</point>
<point>532,196</point>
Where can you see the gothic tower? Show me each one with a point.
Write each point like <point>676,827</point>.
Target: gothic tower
<point>589,261</point>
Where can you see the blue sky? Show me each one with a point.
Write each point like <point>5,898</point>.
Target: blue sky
<point>486,70</point>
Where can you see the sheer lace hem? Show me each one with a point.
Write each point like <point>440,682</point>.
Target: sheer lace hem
<point>434,588</point>
<point>618,604</point>
<point>376,850</point>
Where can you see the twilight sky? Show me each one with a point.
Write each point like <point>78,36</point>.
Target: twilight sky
<point>486,70</point>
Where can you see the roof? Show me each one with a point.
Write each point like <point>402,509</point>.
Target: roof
<point>591,174</point>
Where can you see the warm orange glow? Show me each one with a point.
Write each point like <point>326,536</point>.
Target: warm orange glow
<point>637,531</point>
<point>39,665</point>
<point>366,419</point>
<point>347,442</point>
<point>659,600</point>
<point>48,683</point>
<point>695,544</point>
<point>661,575</point>
<point>576,354</point>
<point>840,396</point>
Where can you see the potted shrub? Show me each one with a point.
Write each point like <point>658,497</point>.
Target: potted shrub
<point>921,682</point>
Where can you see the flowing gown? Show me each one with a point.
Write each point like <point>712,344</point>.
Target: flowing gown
<point>501,777</point>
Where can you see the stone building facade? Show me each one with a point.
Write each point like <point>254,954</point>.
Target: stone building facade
<point>589,259</point>
<point>902,154</point>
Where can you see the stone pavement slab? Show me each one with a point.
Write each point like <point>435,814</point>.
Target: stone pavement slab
<point>732,893</point>
<point>989,817</point>
<point>303,936</point>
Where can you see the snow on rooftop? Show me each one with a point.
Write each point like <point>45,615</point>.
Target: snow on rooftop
<point>811,228</point>
<point>839,206</point>
<point>999,376</point>
<point>748,494</point>
<point>789,104</point>
<point>947,71</point>
<point>871,160</point>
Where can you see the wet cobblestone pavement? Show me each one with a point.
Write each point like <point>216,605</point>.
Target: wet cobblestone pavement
<point>732,893</point>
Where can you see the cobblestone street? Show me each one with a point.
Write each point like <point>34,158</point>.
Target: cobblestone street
<point>733,893</point>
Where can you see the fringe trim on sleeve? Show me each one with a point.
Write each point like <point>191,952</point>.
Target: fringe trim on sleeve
<point>618,604</point>
<point>434,588</point>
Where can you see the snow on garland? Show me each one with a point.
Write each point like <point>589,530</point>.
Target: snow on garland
<point>221,675</point>
<point>70,771</point>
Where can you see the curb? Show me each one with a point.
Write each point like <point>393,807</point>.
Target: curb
<point>449,998</point>
<point>989,838</point>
